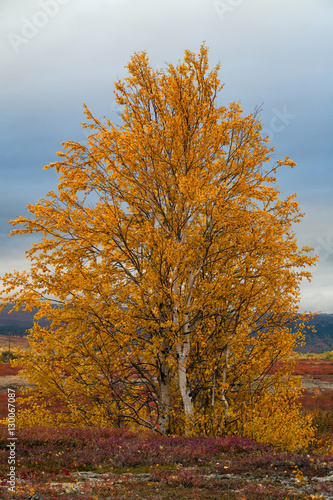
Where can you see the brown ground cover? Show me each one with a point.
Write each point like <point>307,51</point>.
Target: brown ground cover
<point>15,341</point>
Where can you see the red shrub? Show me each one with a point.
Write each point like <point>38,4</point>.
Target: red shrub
<point>313,367</point>
<point>317,400</point>
<point>6,369</point>
<point>309,367</point>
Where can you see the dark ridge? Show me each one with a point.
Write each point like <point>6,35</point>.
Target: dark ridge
<point>18,322</point>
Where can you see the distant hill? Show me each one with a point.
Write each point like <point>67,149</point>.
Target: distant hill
<point>322,339</point>
<point>18,322</point>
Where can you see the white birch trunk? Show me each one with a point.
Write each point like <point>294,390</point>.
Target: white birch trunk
<point>165,394</point>
<point>224,379</point>
<point>165,405</point>
<point>183,347</point>
<point>182,358</point>
<point>183,352</point>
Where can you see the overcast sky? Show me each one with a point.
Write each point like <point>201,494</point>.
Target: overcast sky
<point>57,54</point>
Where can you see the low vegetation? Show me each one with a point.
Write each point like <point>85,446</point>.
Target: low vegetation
<point>102,463</point>
<point>95,463</point>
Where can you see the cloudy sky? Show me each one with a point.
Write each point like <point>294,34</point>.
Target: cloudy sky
<point>57,54</point>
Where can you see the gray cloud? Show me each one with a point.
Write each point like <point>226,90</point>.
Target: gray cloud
<point>59,53</point>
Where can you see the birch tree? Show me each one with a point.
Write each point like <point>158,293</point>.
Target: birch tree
<point>168,270</point>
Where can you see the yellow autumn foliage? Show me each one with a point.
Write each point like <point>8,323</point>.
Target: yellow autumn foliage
<point>167,278</point>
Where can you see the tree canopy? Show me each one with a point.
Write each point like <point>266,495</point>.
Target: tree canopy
<point>168,270</point>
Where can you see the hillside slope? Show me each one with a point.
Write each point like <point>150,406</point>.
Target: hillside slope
<point>322,339</point>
